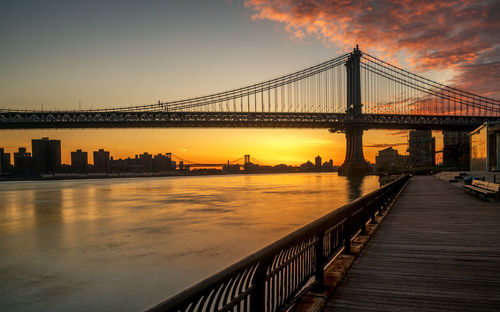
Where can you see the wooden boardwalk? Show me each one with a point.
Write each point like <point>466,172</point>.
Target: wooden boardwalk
<point>437,250</point>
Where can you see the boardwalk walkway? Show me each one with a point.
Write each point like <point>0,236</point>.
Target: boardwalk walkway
<point>438,249</point>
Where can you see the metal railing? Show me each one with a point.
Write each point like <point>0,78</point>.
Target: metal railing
<point>272,278</point>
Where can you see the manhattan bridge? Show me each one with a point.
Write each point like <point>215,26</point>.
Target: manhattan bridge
<point>350,93</point>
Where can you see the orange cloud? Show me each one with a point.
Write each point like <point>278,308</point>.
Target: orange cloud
<point>458,35</point>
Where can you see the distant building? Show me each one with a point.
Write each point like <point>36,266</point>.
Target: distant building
<point>2,156</point>
<point>22,160</point>
<point>146,161</point>
<point>317,162</point>
<point>328,165</point>
<point>421,148</point>
<point>485,147</point>
<point>388,159</point>
<point>5,160</point>
<point>162,162</point>
<point>456,149</point>
<point>101,161</point>
<point>46,154</point>
<point>230,168</point>
<point>307,166</point>
<point>79,161</point>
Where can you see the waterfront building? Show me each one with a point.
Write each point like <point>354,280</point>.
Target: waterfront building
<point>317,162</point>
<point>101,160</point>
<point>230,168</point>
<point>328,165</point>
<point>46,154</point>
<point>22,160</point>
<point>421,148</point>
<point>456,149</point>
<point>146,161</point>
<point>388,159</point>
<point>307,166</point>
<point>162,163</point>
<point>79,161</point>
<point>485,147</point>
<point>2,165</point>
<point>6,164</point>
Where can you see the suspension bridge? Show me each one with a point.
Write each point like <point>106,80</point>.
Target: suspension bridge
<point>246,159</point>
<point>349,93</point>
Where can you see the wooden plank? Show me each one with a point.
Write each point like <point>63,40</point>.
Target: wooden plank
<point>438,249</point>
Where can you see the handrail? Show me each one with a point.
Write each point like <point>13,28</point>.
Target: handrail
<point>273,277</point>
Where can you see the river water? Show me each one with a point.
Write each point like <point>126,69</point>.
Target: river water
<point>127,244</point>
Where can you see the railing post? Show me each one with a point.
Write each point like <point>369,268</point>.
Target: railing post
<point>373,211</point>
<point>258,296</point>
<point>320,265</point>
<point>363,220</point>
<point>347,236</point>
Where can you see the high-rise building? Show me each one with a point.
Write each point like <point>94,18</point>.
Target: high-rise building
<point>317,162</point>
<point>2,153</point>
<point>146,161</point>
<point>79,161</point>
<point>22,159</point>
<point>162,163</point>
<point>421,148</point>
<point>456,149</point>
<point>5,160</point>
<point>46,154</point>
<point>101,160</point>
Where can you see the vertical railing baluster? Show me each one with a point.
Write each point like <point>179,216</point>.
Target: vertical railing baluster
<point>364,218</point>
<point>347,236</point>
<point>319,273</point>
<point>257,302</point>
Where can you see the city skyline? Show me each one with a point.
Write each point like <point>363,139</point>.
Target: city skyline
<point>274,152</point>
<point>57,59</point>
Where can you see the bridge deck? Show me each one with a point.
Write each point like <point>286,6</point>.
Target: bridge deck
<point>438,249</point>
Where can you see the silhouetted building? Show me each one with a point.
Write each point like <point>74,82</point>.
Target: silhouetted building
<point>146,161</point>
<point>229,168</point>
<point>101,161</point>
<point>6,165</point>
<point>2,165</point>
<point>328,165</point>
<point>22,160</point>
<point>389,158</point>
<point>317,162</point>
<point>456,149</point>
<point>162,163</point>
<point>307,166</point>
<point>421,148</point>
<point>46,154</point>
<point>79,161</point>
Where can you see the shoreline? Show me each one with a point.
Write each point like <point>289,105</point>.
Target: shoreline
<point>73,176</point>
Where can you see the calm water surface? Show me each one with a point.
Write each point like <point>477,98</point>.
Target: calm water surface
<point>127,244</point>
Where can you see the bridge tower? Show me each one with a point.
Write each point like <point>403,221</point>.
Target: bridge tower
<point>354,163</point>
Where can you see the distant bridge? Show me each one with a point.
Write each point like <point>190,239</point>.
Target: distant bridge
<point>193,164</point>
<point>350,93</point>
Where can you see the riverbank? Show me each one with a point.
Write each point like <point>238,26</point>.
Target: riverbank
<point>115,175</point>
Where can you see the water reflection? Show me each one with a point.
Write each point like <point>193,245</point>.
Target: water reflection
<point>86,245</point>
<point>355,184</point>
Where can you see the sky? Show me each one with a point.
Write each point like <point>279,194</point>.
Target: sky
<point>104,54</point>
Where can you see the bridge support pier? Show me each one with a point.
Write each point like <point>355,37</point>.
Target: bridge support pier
<point>354,163</point>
